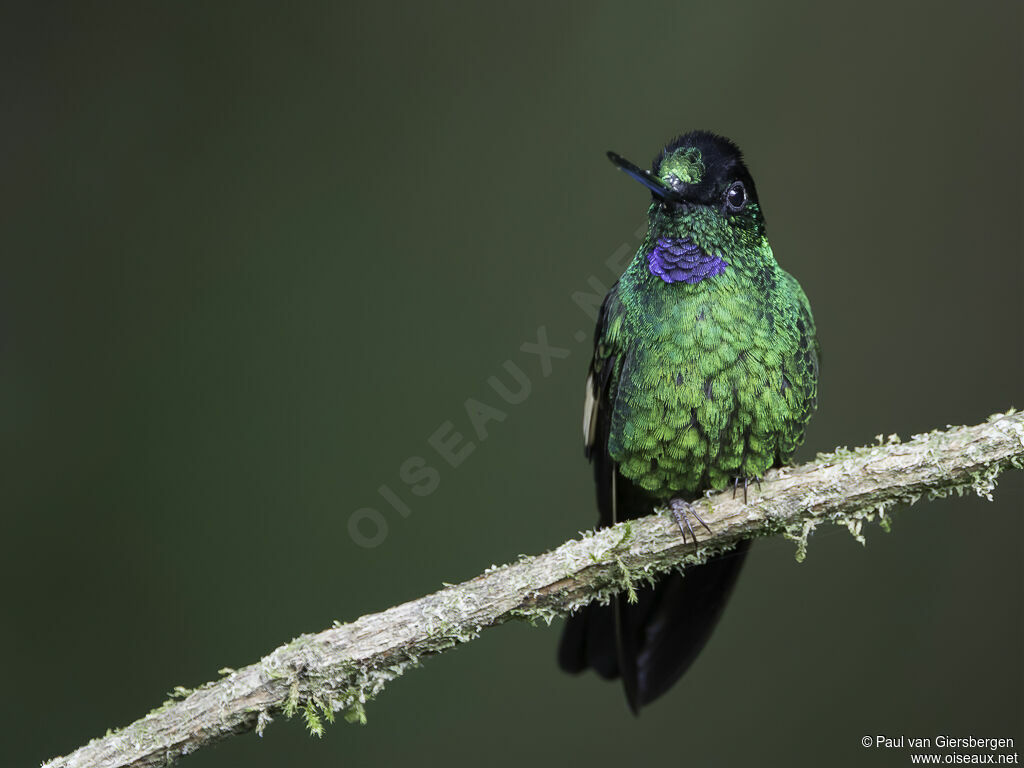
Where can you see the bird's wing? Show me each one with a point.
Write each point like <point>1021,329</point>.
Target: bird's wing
<point>609,637</point>
<point>808,354</point>
<point>591,638</point>
<point>602,383</point>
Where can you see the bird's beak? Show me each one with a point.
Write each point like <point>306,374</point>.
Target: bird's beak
<point>660,189</point>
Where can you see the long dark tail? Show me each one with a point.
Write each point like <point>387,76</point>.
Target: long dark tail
<point>659,636</point>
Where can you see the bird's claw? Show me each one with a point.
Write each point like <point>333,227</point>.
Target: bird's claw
<point>746,482</point>
<point>681,512</point>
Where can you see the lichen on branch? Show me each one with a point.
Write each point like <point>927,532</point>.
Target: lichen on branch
<point>342,668</point>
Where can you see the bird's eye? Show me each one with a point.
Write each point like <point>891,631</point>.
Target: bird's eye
<point>736,196</point>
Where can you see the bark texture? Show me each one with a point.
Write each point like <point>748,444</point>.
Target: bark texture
<point>341,668</point>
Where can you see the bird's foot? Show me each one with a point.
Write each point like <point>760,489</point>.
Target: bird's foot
<point>746,482</point>
<point>681,512</point>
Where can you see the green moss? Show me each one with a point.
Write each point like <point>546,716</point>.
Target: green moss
<point>356,714</point>
<point>627,534</point>
<point>627,581</point>
<point>318,692</point>
<point>291,704</point>
<point>313,723</point>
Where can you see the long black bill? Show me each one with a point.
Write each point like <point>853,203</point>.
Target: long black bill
<point>660,189</point>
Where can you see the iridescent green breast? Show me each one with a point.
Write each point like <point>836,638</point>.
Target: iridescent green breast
<point>714,381</point>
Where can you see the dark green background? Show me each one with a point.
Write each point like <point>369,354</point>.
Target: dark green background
<point>253,257</point>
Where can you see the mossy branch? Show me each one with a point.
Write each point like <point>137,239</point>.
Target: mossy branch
<point>341,668</point>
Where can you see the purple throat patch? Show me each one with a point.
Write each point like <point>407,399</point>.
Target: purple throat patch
<point>682,261</point>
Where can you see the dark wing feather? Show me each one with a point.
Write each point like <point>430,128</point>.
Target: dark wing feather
<point>602,383</point>
<point>589,639</point>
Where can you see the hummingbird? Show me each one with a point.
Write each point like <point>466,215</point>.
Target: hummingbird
<point>704,374</point>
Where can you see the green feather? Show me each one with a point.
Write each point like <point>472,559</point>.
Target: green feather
<point>710,381</point>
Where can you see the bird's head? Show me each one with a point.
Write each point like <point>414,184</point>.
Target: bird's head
<point>703,197</point>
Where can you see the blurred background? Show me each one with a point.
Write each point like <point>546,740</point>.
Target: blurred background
<point>253,259</point>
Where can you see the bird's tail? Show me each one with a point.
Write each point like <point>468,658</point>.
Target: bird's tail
<point>652,642</point>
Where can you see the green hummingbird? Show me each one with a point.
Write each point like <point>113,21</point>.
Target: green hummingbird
<point>704,374</point>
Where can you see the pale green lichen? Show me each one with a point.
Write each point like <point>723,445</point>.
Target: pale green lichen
<point>984,481</point>
<point>533,615</point>
<point>345,687</point>
<point>840,453</point>
<point>853,525</point>
<point>318,691</point>
<point>349,687</point>
<point>263,719</point>
<point>799,534</point>
<point>452,603</point>
<point>981,482</point>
